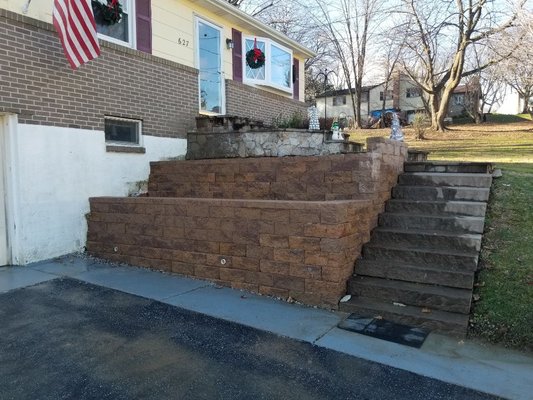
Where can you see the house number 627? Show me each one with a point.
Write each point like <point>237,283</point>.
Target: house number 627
<point>183,42</point>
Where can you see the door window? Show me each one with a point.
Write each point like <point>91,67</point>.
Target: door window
<point>209,63</point>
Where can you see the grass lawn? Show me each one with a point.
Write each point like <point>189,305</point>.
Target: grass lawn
<point>503,310</point>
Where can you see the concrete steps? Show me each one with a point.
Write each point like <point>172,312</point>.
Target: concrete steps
<point>440,193</point>
<point>415,294</point>
<point>432,239</point>
<point>419,265</point>
<point>447,259</point>
<point>439,321</point>
<point>467,208</point>
<point>459,224</point>
<point>427,274</point>
<point>445,179</point>
<point>454,167</point>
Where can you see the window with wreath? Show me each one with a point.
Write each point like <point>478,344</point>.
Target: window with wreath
<point>114,20</point>
<point>267,63</point>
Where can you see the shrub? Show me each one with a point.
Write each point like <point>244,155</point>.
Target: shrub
<point>295,121</point>
<point>420,125</point>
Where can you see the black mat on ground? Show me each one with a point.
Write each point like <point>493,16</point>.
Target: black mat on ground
<point>384,329</point>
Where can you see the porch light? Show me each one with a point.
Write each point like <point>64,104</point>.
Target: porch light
<point>229,44</point>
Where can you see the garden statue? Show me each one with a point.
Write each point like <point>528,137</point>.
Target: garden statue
<point>396,130</point>
<point>312,113</point>
<point>337,134</point>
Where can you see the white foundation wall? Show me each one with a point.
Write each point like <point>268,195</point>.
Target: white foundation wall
<point>57,170</point>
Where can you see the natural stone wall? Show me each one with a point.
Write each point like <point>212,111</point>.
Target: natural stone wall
<point>272,143</point>
<point>303,250</point>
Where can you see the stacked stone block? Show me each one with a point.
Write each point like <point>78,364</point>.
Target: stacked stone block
<point>282,226</point>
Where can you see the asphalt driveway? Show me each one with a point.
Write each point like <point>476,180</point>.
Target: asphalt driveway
<point>66,339</point>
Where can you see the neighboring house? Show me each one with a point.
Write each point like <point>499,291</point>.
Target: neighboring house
<point>401,93</point>
<point>511,103</point>
<point>465,100</point>
<point>69,135</point>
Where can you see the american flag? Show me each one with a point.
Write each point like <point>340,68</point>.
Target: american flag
<point>74,22</point>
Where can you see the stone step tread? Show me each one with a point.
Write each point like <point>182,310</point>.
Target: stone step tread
<point>389,270</point>
<point>458,202</point>
<point>437,207</point>
<point>454,163</point>
<point>444,187</point>
<point>443,182</point>
<point>408,311</point>
<point>476,188</point>
<point>411,192</point>
<point>433,290</point>
<point>431,239</point>
<point>444,252</point>
<point>450,174</point>
<point>445,179</point>
<point>446,217</point>
<point>429,232</point>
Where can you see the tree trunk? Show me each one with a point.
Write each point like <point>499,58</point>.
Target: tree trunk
<point>525,108</point>
<point>437,113</point>
<point>358,124</point>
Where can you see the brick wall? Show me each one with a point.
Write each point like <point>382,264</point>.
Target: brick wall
<point>303,250</point>
<point>247,101</point>
<point>37,83</point>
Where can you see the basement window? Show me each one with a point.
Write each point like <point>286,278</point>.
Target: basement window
<point>122,131</point>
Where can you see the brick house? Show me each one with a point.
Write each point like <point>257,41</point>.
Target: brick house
<point>69,135</point>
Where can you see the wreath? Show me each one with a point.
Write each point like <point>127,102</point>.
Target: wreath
<point>255,58</point>
<point>107,14</point>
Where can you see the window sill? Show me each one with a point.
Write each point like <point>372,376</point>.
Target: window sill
<point>125,149</point>
<point>268,87</point>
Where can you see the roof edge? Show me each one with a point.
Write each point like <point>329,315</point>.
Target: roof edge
<point>256,24</point>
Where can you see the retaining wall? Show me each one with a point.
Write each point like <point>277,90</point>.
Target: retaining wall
<point>303,250</point>
<point>283,226</point>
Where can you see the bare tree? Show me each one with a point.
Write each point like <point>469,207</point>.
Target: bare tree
<point>256,7</point>
<point>485,88</point>
<point>235,3</point>
<point>350,24</point>
<point>517,70</point>
<point>390,62</point>
<point>439,34</point>
<point>292,19</point>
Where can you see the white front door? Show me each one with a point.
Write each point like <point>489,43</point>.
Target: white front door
<point>209,62</point>
<point>4,257</point>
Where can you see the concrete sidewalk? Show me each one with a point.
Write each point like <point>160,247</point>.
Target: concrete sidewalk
<point>481,367</point>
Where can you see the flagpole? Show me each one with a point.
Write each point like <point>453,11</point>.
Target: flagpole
<point>25,7</point>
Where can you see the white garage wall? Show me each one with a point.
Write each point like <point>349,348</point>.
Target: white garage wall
<point>57,170</point>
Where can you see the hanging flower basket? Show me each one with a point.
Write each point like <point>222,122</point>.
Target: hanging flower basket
<point>107,14</point>
<point>255,58</point>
